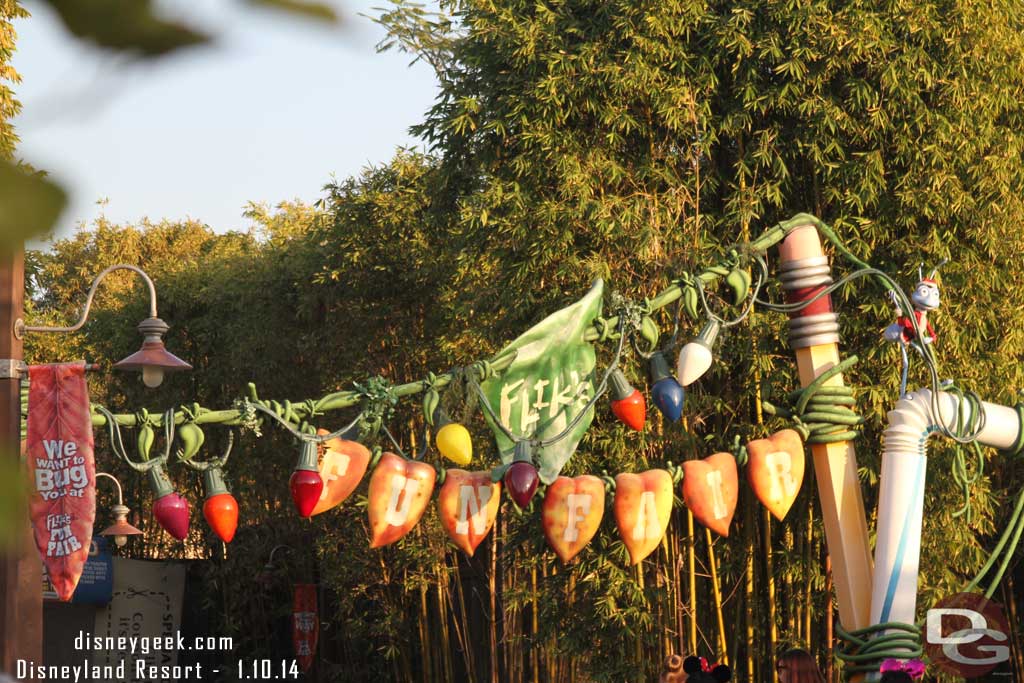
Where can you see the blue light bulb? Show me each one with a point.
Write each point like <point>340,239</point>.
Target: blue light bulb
<point>667,393</point>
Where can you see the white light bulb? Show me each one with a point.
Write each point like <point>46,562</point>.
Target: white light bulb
<point>120,541</point>
<point>152,376</point>
<point>694,361</point>
<point>695,358</point>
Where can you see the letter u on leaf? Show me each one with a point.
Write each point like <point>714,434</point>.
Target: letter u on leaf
<point>399,492</point>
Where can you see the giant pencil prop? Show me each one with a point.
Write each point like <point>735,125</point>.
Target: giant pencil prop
<point>901,491</point>
<point>814,335</point>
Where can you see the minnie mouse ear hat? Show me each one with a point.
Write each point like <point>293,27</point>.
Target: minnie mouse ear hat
<point>721,673</point>
<point>692,664</point>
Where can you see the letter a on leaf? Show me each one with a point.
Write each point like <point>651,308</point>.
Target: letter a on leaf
<point>548,384</point>
<point>572,513</point>
<point>710,490</point>
<point>399,492</point>
<point>776,470</point>
<point>643,506</point>
<point>467,504</point>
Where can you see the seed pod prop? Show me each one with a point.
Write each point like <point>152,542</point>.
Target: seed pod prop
<point>467,505</point>
<point>710,490</point>
<point>341,469</point>
<point>220,508</point>
<point>643,507</point>
<point>399,492</point>
<point>776,470</point>
<point>572,513</point>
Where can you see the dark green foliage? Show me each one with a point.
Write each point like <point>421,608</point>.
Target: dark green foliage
<point>633,141</point>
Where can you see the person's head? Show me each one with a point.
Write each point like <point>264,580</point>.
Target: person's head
<point>896,677</point>
<point>798,666</point>
<point>695,668</point>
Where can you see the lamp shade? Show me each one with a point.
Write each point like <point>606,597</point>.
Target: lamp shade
<point>120,529</point>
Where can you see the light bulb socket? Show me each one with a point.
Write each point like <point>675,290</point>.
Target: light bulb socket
<point>659,367</point>
<point>708,334</point>
<point>159,482</point>
<point>621,388</point>
<point>308,458</point>
<point>213,482</point>
<point>120,512</point>
<point>441,419</point>
<point>522,452</point>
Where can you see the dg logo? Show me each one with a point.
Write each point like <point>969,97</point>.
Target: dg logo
<point>967,635</point>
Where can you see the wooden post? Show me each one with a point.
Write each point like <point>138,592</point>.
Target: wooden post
<point>804,272</point>
<point>21,591</point>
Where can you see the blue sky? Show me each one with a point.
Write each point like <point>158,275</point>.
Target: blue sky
<point>269,113</point>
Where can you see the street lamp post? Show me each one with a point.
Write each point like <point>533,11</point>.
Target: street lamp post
<point>21,577</point>
<point>120,529</point>
<point>21,610</point>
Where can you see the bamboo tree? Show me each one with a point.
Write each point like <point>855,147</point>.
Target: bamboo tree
<point>692,578</point>
<point>723,651</point>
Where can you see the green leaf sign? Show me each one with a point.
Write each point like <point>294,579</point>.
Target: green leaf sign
<point>548,384</point>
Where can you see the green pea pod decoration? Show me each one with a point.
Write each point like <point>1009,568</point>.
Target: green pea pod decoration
<point>192,439</point>
<point>144,441</point>
<point>691,301</point>
<point>739,281</point>
<point>649,331</point>
<point>431,399</point>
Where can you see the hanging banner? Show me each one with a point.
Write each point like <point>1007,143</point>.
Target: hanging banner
<point>96,586</point>
<point>305,624</point>
<point>59,454</point>
<point>548,384</point>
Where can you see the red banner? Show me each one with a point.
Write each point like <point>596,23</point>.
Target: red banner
<point>305,624</point>
<point>59,453</point>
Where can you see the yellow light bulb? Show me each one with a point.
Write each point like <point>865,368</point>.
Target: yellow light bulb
<point>454,443</point>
